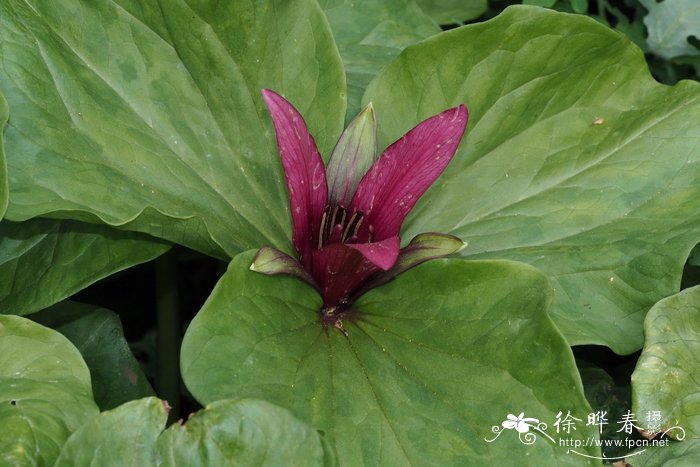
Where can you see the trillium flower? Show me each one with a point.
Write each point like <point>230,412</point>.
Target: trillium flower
<point>519,423</point>
<point>346,217</point>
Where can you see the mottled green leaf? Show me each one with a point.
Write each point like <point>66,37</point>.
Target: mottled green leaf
<point>432,362</point>
<point>243,432</point>
<point>370,34</point>
<point>148,116</point>
<point>43,261</point>
<point>125,436</point>
<point>670,23</point>
<point>453,11</point>
<point>666,377</point>
<point>45,392</point>
<point>575,161</point>
<point>97,333</point>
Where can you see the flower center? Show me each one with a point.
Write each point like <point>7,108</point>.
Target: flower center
<point>337,227</point>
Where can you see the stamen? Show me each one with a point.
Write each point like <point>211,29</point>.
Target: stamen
<point>321,231</point>
<point>347,227</point>
<point>329,221</point>
<point>328,228</point>
<point>352,226</point>
<point>336,227</point>
<point>344,212</point>
<point>357,226</point>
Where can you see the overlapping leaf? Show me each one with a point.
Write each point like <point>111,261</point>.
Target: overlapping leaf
<point>43,261</point>
<point>670,23</point>
<point>240,432</point>
<point>97,334</point>
<point>45,392</point>
<point>419,375</point>
<point>123,436</point>
<point>453,11</point>
<point>665,379</point>
<point>575,161</point>
<point>694,258</point>
<point>149,116</point>
<point>244,432</point>
<point>370,34</point>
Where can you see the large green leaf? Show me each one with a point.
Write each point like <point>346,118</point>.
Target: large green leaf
<point>665,379</point>
<point>420,378</point>
<point>148,115</point>
<point>125,436</point>
<point>575,161</point>
<point>45,392</point>
<point>370,34</point>
<point>243,432</point>
<point>43,261</point>
<point>4,114</point>
<point>233,432</point>
<point>97,333</point>
<point>453,11</point>
<point>670,23</point>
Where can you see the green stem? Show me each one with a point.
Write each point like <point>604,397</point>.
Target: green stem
<point>169,330</point>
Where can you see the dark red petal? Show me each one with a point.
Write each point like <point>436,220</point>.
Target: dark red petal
<point>405,171</point>
<point>382,254</point>
<point>423,247</point>
<point>340,269</point>
<point>304,172</point>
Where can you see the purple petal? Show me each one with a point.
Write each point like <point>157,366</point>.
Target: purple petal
<point>340,269</point>
<point>304,172</point>
<point>382,254</point>
<point>423,247</point>
<point>405,171</point>
<point>272,262</point>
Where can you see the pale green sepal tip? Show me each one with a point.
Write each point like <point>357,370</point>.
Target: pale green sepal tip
<point>272,262</point>
<point>432,244</point>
